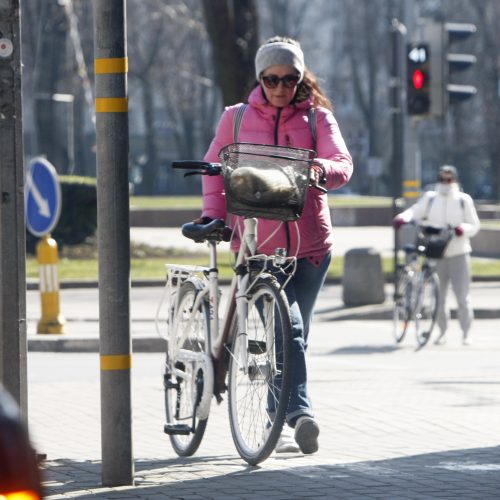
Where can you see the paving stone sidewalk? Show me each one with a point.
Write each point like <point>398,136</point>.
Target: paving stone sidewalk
<point>396,423</point>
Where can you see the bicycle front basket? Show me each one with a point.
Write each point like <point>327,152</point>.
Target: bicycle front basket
<point>265,181</point>
<point>435,241</point>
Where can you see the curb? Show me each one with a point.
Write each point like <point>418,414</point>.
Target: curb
<point>155,344</point>
<point>48,343</point>
<point>384,312</point>
<point>32,284</point>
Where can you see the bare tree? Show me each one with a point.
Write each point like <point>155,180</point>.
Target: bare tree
<point>232,26</point>
<point>146,39</point>
<point>53,112</point>
<point>285,18</point>
<point>488,14</point>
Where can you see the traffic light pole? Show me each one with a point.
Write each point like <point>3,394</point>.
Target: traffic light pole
<point>114,241</point>
<point>13,369</point>
<point>398,35</point>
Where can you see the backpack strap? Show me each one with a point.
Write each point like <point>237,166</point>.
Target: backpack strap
<point>429,205</point>
<point>311,115</point>
<point>238,117</point>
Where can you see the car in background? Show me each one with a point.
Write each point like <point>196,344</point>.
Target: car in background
<point>19,473</point>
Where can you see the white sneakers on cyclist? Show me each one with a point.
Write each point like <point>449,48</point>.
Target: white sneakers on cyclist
<point>286,442</point>
<point>306,435</point>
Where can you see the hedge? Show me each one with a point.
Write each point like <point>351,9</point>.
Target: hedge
<point>78,218</point>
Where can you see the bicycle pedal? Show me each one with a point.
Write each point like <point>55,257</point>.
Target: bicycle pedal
<point>168,384</point>
<point>177,429</point>
<point>256,346</point>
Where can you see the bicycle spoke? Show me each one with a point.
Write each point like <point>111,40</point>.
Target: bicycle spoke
<point>259,391</point>
<point>426,307</point>
<point>184,391</point>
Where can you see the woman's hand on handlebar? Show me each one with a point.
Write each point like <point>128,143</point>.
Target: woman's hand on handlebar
<point>317,176</point>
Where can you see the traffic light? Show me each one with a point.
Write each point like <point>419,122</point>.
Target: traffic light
<point>457,62</point>
<point>445,64</point>
<point>418,86</point>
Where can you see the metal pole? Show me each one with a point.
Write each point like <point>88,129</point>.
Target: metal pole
<point>411,171</point>
<point>398,35</point>
<point>13,369</point>
<point>114,241</point>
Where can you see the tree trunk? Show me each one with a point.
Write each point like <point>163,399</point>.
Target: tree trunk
<point>52,117</point>
<point>232,26</point>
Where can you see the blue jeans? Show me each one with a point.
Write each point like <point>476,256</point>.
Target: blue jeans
<point>302,291</point>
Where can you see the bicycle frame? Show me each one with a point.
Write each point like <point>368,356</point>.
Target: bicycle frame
<point>218,335</point>
<point>417,284</point>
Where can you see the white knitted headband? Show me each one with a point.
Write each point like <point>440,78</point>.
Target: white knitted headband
<point>271,54</point>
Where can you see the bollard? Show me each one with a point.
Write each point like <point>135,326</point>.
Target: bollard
<point>363,279</point>
<point>51,321</point>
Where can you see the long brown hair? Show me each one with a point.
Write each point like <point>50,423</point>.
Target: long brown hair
<point>309,88</point>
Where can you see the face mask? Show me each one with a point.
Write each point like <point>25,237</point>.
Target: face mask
<point>444,188</point>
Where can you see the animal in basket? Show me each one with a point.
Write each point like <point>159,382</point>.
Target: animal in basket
<point>263,186</point>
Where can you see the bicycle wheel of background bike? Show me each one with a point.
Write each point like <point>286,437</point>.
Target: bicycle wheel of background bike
<point>402,304</point>
<point>426,307</point>
<point>259,394</point>
<point>183,394</point>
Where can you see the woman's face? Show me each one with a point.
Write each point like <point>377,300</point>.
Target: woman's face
<point>284,79</point>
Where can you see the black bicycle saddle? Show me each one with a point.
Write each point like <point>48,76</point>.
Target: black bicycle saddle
<point>215,230</point>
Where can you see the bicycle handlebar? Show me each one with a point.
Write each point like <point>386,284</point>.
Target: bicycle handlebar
<point>198,167</point>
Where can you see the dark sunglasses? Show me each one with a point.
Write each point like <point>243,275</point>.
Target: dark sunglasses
<point>446,180</point>
<point>272,81</point>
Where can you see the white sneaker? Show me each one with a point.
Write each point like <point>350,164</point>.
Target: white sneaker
<point>466,340</point>
<point>286,442</point>
<point>306,435</point>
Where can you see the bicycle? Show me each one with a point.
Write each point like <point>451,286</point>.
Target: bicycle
<point>416,288</point>
<point>251,346</point>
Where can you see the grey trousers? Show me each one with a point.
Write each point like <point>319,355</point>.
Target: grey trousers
<point>457,271</point>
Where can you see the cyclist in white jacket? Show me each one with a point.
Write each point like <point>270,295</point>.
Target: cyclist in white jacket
<point>448,206</point>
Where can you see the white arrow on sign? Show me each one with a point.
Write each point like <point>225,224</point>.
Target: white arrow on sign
<point>42,203</point>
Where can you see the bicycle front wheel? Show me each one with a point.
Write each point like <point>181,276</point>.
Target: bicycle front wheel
<point>260,372</point>
<point>426,307</point>
<point>185,381</point>
<point>403,303</point>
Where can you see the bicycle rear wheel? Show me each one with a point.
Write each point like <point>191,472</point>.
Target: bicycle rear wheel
<point>403,303</point>
<point>185,383</point>
<point>426,307</point>
<point>260,373</point>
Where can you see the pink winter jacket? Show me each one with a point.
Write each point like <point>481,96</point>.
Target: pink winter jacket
<point>265,124</point>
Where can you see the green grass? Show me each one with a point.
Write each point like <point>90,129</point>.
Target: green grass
<point>194,202</point>
<point>164,202</point>
<point>154,268</point>
<point>490,224</point>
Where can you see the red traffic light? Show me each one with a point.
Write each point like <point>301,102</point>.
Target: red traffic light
<point>418,79</point>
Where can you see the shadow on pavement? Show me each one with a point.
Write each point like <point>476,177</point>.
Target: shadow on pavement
<point>364,349</point>
<point>468,473</point>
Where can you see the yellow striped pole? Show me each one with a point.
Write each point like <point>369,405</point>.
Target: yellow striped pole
<point>113,232</point>
<point>48,259</point>
<point>411,189</point>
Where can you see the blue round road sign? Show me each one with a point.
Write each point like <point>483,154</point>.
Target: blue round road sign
<point>43,197</point>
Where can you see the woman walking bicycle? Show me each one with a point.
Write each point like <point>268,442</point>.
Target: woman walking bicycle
<point>288,108</point>
<point>448,206</point>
